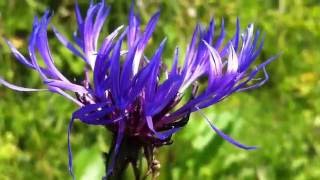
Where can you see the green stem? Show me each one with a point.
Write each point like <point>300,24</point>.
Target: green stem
<point>128,153</point>
<point>131,151</point>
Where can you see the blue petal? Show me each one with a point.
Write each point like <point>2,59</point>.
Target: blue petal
<point>127,71</point>
<point>99,21</point>
<point>260,83</point>
<point>67,43</point>
<point>165,94</point>
<point>240,87</point>
<point>161,135</point>
<point>66,86</point>
<point>144,40</point>
<point>79,17</point>
<point>134,30</point>
<point>102,63</point>
<point>120,134</point>
<point>154,66</point>
<point>18,88</point>
<point>18,55</point>
<point>95,114</point>
<point>226,137</point>
<point>88,38</point>
<point>43,47</point>
<point>70,149</point>
<point>31,48</point>
<point>174,69</point>
<point>115,71</point>
<point>235,39</point>
<point>146,75</point>
<point>221,37</point>
<point>209,36</point>
<point>191,51</point>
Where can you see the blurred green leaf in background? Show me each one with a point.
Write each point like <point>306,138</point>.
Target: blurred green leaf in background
<point>282,117</point>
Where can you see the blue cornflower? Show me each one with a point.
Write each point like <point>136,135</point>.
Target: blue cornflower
<point>122,88</point>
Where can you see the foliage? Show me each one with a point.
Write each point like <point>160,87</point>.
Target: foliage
<point>282,117</point>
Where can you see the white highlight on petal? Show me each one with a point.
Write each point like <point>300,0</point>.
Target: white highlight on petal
<point>18,88</point>
<point>233,62</point>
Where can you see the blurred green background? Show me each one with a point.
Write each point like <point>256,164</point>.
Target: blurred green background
<point>282,117</point>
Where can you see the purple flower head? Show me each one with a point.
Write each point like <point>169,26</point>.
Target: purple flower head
<point>136,96</point>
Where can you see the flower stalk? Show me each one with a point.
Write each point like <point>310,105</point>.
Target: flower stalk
<point>130,154</point>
